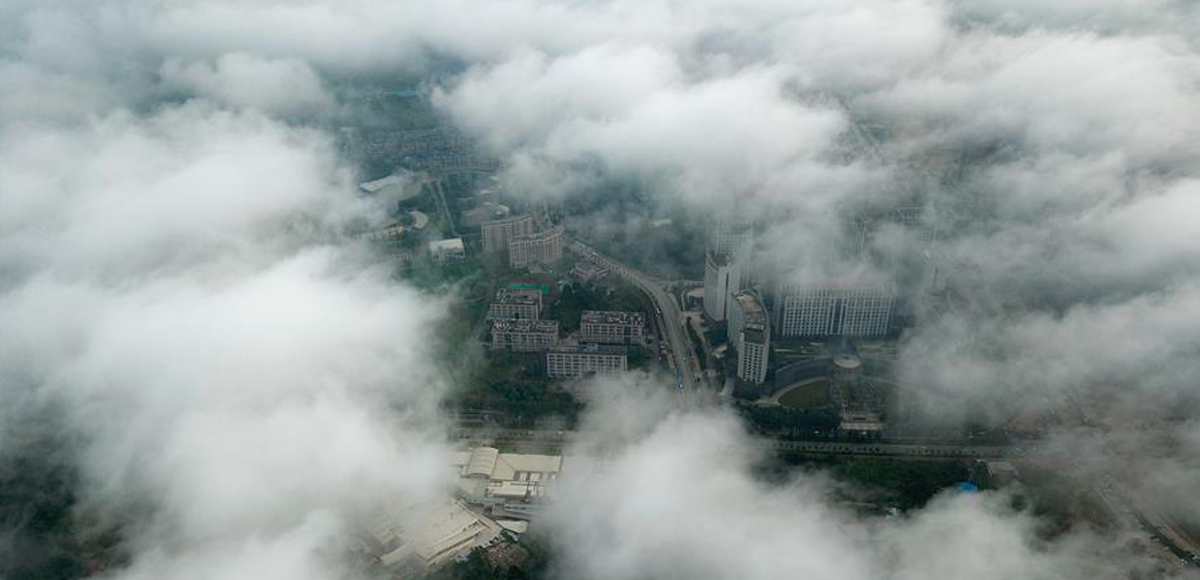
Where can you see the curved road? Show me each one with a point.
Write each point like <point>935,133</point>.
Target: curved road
<point>666,312</point>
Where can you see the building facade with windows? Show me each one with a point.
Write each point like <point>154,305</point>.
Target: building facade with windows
<point>544,247</point>
<point>750,333</point>
<point>498,233</point>
<point>612,327</point>
<point>722,277</point>
<point>827,310</point>
<point>515,305</point>
<point>585,359</point>
<point>524,335</point>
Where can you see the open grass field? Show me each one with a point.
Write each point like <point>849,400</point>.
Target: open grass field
<point>809,396</point>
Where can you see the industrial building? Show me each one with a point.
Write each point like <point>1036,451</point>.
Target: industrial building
<point>585,359</point>
<point>544,247</point>
<point>830,310</point>
<point>524,335</point>
<point>722,277</point>
<point>612,327</point>
<point>508,484</point>
<point>750,333</point>
<point>416,538</point>
<point>515,305</point>
<point>497,233</point>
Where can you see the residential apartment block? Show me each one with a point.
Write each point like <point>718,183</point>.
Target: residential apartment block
<point>515,305</point>
<point>612,327</point>
<point>498,233</point>
<point>585,359</point>
<point>524,335</point>
<point>543,247</point>
<point>750,333</point>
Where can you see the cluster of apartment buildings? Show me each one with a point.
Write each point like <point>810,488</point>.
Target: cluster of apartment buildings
<point>525,246</point>
<point>604,335</point>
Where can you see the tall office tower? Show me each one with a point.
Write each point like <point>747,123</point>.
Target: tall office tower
<point>731,236</point>
<point>497,233</point>
<point>833,310</point>
<point>750,333</point>
<point>722,277</point>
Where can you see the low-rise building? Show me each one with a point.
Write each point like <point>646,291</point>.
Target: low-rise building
<point>485,212</point>
<point>585,359</point>
<point>524,335</point>
<point>509,484</point>
<point>515,305</point>
<point>544,247</point>
<point>612,327</point>
<point>861,422</point>
<point>414,539</point>
<point>447,249</point>
<point>588,271</point>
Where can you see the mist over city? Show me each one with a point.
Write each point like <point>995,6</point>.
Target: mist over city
<point>584,289</point>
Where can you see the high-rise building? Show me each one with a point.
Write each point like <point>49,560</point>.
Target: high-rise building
<point>515,304</point>
<point>833,310</point>
<point>497,233</point>
<point>731,236</point>
<point>524,335</point>
<point>611,327</point>
<point>585,359</point>
<point>722,277</point>
<point>544,247</point>
<point>750,333</point>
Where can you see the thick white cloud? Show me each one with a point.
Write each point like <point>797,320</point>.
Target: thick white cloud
<point>171,279</point>
<point>661,491</point>
<point>287,87</point>
<point>242,390</point>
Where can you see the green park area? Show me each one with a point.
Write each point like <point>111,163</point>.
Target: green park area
<point>807,396</point>
<point>575,299</point>
<point>901,483</point>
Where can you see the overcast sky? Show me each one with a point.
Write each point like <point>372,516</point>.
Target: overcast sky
<point>242,384</point>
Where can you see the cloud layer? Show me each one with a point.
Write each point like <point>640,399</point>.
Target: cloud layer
<point>174,290</point>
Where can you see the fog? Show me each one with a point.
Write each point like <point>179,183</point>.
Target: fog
<point>236,383</point>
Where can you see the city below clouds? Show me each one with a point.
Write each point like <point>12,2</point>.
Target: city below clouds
<point>236,385</point>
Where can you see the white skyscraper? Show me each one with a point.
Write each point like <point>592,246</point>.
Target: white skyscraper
<point>731,236</point>
<point>750,333</point>
<point>722,277</point>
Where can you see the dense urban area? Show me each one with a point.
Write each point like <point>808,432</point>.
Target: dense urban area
<point>808,363</point>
